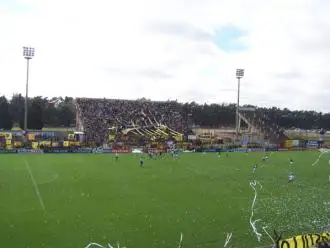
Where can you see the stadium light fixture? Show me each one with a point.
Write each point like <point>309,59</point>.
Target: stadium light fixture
<point>28,53</point>
<point>239,75</point>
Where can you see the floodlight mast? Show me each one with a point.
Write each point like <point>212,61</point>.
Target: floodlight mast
<point>239,75</point>
<point>28,53</point>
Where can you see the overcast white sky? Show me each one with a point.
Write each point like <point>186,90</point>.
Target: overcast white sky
<point>170,49</point>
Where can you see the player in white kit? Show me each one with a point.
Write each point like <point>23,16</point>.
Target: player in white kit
<point>292,177</point>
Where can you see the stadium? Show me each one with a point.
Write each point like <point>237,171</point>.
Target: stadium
<point>96,153</point>
<point>197,185</point>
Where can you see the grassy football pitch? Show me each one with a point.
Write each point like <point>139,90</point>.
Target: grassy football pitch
<point>69,201</point>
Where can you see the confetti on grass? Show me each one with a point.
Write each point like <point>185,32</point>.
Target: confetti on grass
<point>96,245</point>
<point>253,185</point>
<point>318,159</point>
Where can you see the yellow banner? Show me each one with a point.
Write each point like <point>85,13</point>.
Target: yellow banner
<point>46,143</point>
<point>8,136</point>
<point>31,137</point>
<point>288,144</point>
<point>35,145</point>
<point>17,143</point>
<point>74,143</point>
<point>8,142</point>
<point>304,241</point>
<point>66,143</point>
<point>178,138</point>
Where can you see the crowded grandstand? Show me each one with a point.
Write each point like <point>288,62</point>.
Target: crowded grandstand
<point>111,123</point>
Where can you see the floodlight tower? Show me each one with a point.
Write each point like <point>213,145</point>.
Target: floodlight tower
<point>28,53</point>
<point>239,75</point>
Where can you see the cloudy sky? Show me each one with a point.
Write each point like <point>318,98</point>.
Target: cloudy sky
<point>170,49</point>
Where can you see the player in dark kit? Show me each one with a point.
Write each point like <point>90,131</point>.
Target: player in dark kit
<point>141,162</point>
<point>291,161</point>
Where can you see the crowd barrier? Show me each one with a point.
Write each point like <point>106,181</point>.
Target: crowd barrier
<point>64,150</point>
<point>2,151</point>
<point>237,149</point>
<point>103,150</point>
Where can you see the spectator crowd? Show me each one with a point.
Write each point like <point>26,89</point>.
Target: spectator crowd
<point>264,124</point>
<point>98,115</point>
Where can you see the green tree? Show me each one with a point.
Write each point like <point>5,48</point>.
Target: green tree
<point>6,121</point>
<point>16,108</point>
<point>35,114</point>
<point>66,112</point>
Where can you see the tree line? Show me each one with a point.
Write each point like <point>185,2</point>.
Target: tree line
<point>60,112</point>
<point>215,115</point>
<point>42,112</point>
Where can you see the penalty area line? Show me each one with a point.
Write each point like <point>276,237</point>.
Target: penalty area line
<point>35,185</point>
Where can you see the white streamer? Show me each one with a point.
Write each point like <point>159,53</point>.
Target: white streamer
<point>94,244</point>
<point>228,239</point>
<point>90,245</point>
<point>180,242</point>
<point>253,185</point>
<point>264,228</point>
<point>318,159</point>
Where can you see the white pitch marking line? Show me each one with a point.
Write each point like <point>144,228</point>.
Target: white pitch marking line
<point>35,186</point>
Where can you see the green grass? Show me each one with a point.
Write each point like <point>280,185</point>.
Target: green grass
<point>93,198</point>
